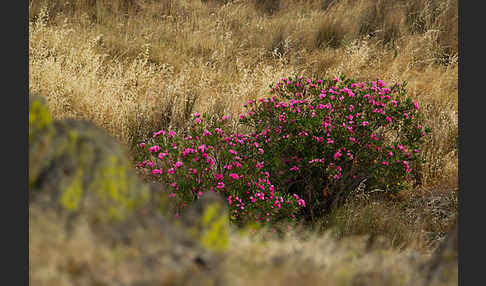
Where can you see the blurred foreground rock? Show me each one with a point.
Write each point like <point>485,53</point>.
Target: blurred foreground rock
<point>81,183</point>
<point>77,166</point>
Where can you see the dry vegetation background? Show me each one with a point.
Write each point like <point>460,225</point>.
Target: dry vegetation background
<point>134,67</point>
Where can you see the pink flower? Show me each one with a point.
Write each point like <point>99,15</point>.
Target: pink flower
<point>171,171</point>
<point>171,134</point>
<point>234,176</point>
<point>388,118</point>
<point>142,164</point>
<point>228,167</point>
<point>188,151</point>
<point>218,176</point>
<point>158,133</point>
<point>198,120</point>
<point>156,171</point>
<point>220,185</point>
<point>364,123</point>
<point>294,168</point>
<point>407,167</point>
<point>206,132</point>
<point>202,148</point>
<point>142,145</point>
<point>385,163</point>
<point>174,184</point>
<point>260,165</point>
<point>416,105</point>
<point>196,114</point>
<point>337,155</point>
<point>172,195</point>
<point>178,164</point>
<point>154,148</point>
<point>162,155</point>
<point>301,202</point>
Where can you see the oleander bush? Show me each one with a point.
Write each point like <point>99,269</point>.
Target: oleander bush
<point>208,158</point>
<point>311,144</point>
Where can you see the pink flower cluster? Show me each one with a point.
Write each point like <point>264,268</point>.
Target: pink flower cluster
<point>318,132</point>
<point>198,166</point>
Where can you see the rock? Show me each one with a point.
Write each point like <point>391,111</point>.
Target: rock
<point>81,180</point>
<point>78,166</point>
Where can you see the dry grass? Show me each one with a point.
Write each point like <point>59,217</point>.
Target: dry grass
<point>418,219</point>
<point>83,257</point>
<point>134,67</point>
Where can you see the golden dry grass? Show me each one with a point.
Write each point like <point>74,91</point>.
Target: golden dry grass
<point>134,67</point>
<point>82,257</point>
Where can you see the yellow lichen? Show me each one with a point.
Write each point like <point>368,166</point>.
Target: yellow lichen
<point>113,187</point>
<point>39,118</point>
<point>71,196</point>
<point>215,228</point>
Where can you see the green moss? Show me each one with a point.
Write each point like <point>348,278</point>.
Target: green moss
<point>71,196</point>
<point>215,228</point>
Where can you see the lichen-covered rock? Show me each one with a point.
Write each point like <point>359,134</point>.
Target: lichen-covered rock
<point>78,166</point>
<point>82,184</point>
